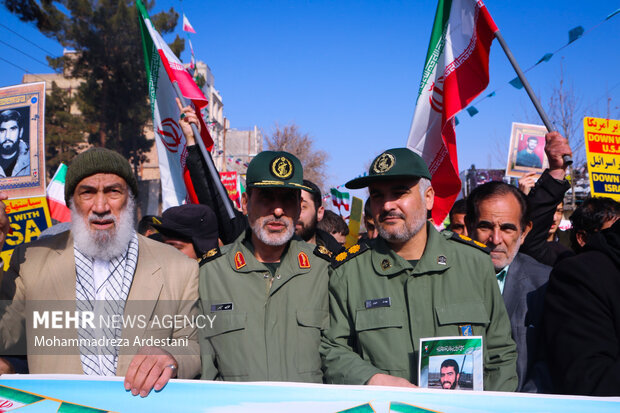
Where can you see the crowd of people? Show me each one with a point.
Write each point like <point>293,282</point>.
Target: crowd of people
<point>286,301</point>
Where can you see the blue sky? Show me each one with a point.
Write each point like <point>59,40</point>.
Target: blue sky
<point>347,72</point>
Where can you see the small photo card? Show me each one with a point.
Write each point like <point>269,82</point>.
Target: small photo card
<point>451,363</point>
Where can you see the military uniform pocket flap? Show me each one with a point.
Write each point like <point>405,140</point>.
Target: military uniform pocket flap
<point>313,318</point>
<point>224,323</point>
<point>374,318</point>
<point>462,313</point>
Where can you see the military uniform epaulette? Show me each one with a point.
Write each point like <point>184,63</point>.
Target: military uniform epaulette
<point>466,240</point>
<point>212,254</point>
<point>323,252</point>
<point>345,256</point>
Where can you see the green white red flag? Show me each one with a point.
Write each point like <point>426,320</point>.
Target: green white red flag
<point>340,199</point>
<point>455,72</point>
<point>56,196</point>
<point>187,27</point>
<point>162,68</point>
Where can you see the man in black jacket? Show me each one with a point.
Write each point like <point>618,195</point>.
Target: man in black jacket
<point>543,199</point>
<point>582,318</point>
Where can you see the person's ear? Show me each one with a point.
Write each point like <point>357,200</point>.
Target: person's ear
<point>319,213</point>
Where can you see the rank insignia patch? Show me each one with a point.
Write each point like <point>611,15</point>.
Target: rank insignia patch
<point>354,249</point>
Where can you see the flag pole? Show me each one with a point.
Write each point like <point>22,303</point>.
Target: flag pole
<point>541,112</point>
<point>207,157</point>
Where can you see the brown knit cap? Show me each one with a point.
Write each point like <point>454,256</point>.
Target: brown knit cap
<point>98,160</point>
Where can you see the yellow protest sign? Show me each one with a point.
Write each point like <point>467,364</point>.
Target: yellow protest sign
<point>354,222</point>
<point>602,138</point>
<point>28,218</point>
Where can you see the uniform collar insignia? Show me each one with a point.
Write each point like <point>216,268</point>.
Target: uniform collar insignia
<point>303,260</point>
<point>324,250</point>
<point>239,260</point>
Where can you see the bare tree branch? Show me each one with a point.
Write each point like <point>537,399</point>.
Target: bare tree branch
<point>288,138</point>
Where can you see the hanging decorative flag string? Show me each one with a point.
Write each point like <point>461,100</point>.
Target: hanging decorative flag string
<point>573,35</point>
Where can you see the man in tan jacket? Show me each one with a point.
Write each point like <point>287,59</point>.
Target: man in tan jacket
<point>100,299</point>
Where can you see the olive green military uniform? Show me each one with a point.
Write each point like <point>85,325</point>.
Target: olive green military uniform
<point>380,307</point>
<point>265,329</point>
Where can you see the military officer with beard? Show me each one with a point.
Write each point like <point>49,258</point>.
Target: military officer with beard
<point>267,291</point>
<point>410,282</point>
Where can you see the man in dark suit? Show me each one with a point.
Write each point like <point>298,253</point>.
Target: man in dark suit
<point>497,215</point>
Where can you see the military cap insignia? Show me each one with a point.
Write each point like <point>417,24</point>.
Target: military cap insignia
<point>303,260</point>
<point>468,241</point>
<point>239,260</point>
<point>383,163</point>
<point>321,251</point>
<point>353,251</point>
<point>282,167</point>
<point>210,255</point>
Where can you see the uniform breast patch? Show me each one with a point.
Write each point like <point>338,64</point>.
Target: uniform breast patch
<point>378,302</point>
<point>466,330</point>
<point>221,307</point>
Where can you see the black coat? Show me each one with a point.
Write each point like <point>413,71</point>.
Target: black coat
<point>582,319</point>
<point>542,202</point>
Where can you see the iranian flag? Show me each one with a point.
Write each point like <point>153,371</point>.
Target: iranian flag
<point>340,199</point>
<point>56,196</point>
<point>187,27</point>
<point>162,68</point>
<point>455,72</point>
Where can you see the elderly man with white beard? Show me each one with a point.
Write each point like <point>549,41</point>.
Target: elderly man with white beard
<point>268,289</point>
<point>96,274</point>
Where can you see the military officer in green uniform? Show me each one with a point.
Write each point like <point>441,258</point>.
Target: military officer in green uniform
<point>409,283</point>
<point>267,291</point>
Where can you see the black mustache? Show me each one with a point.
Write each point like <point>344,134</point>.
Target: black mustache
<point>391,214</point>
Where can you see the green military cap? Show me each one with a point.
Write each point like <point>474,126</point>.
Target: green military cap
<point>393,164</point>
<point>271,169</point>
